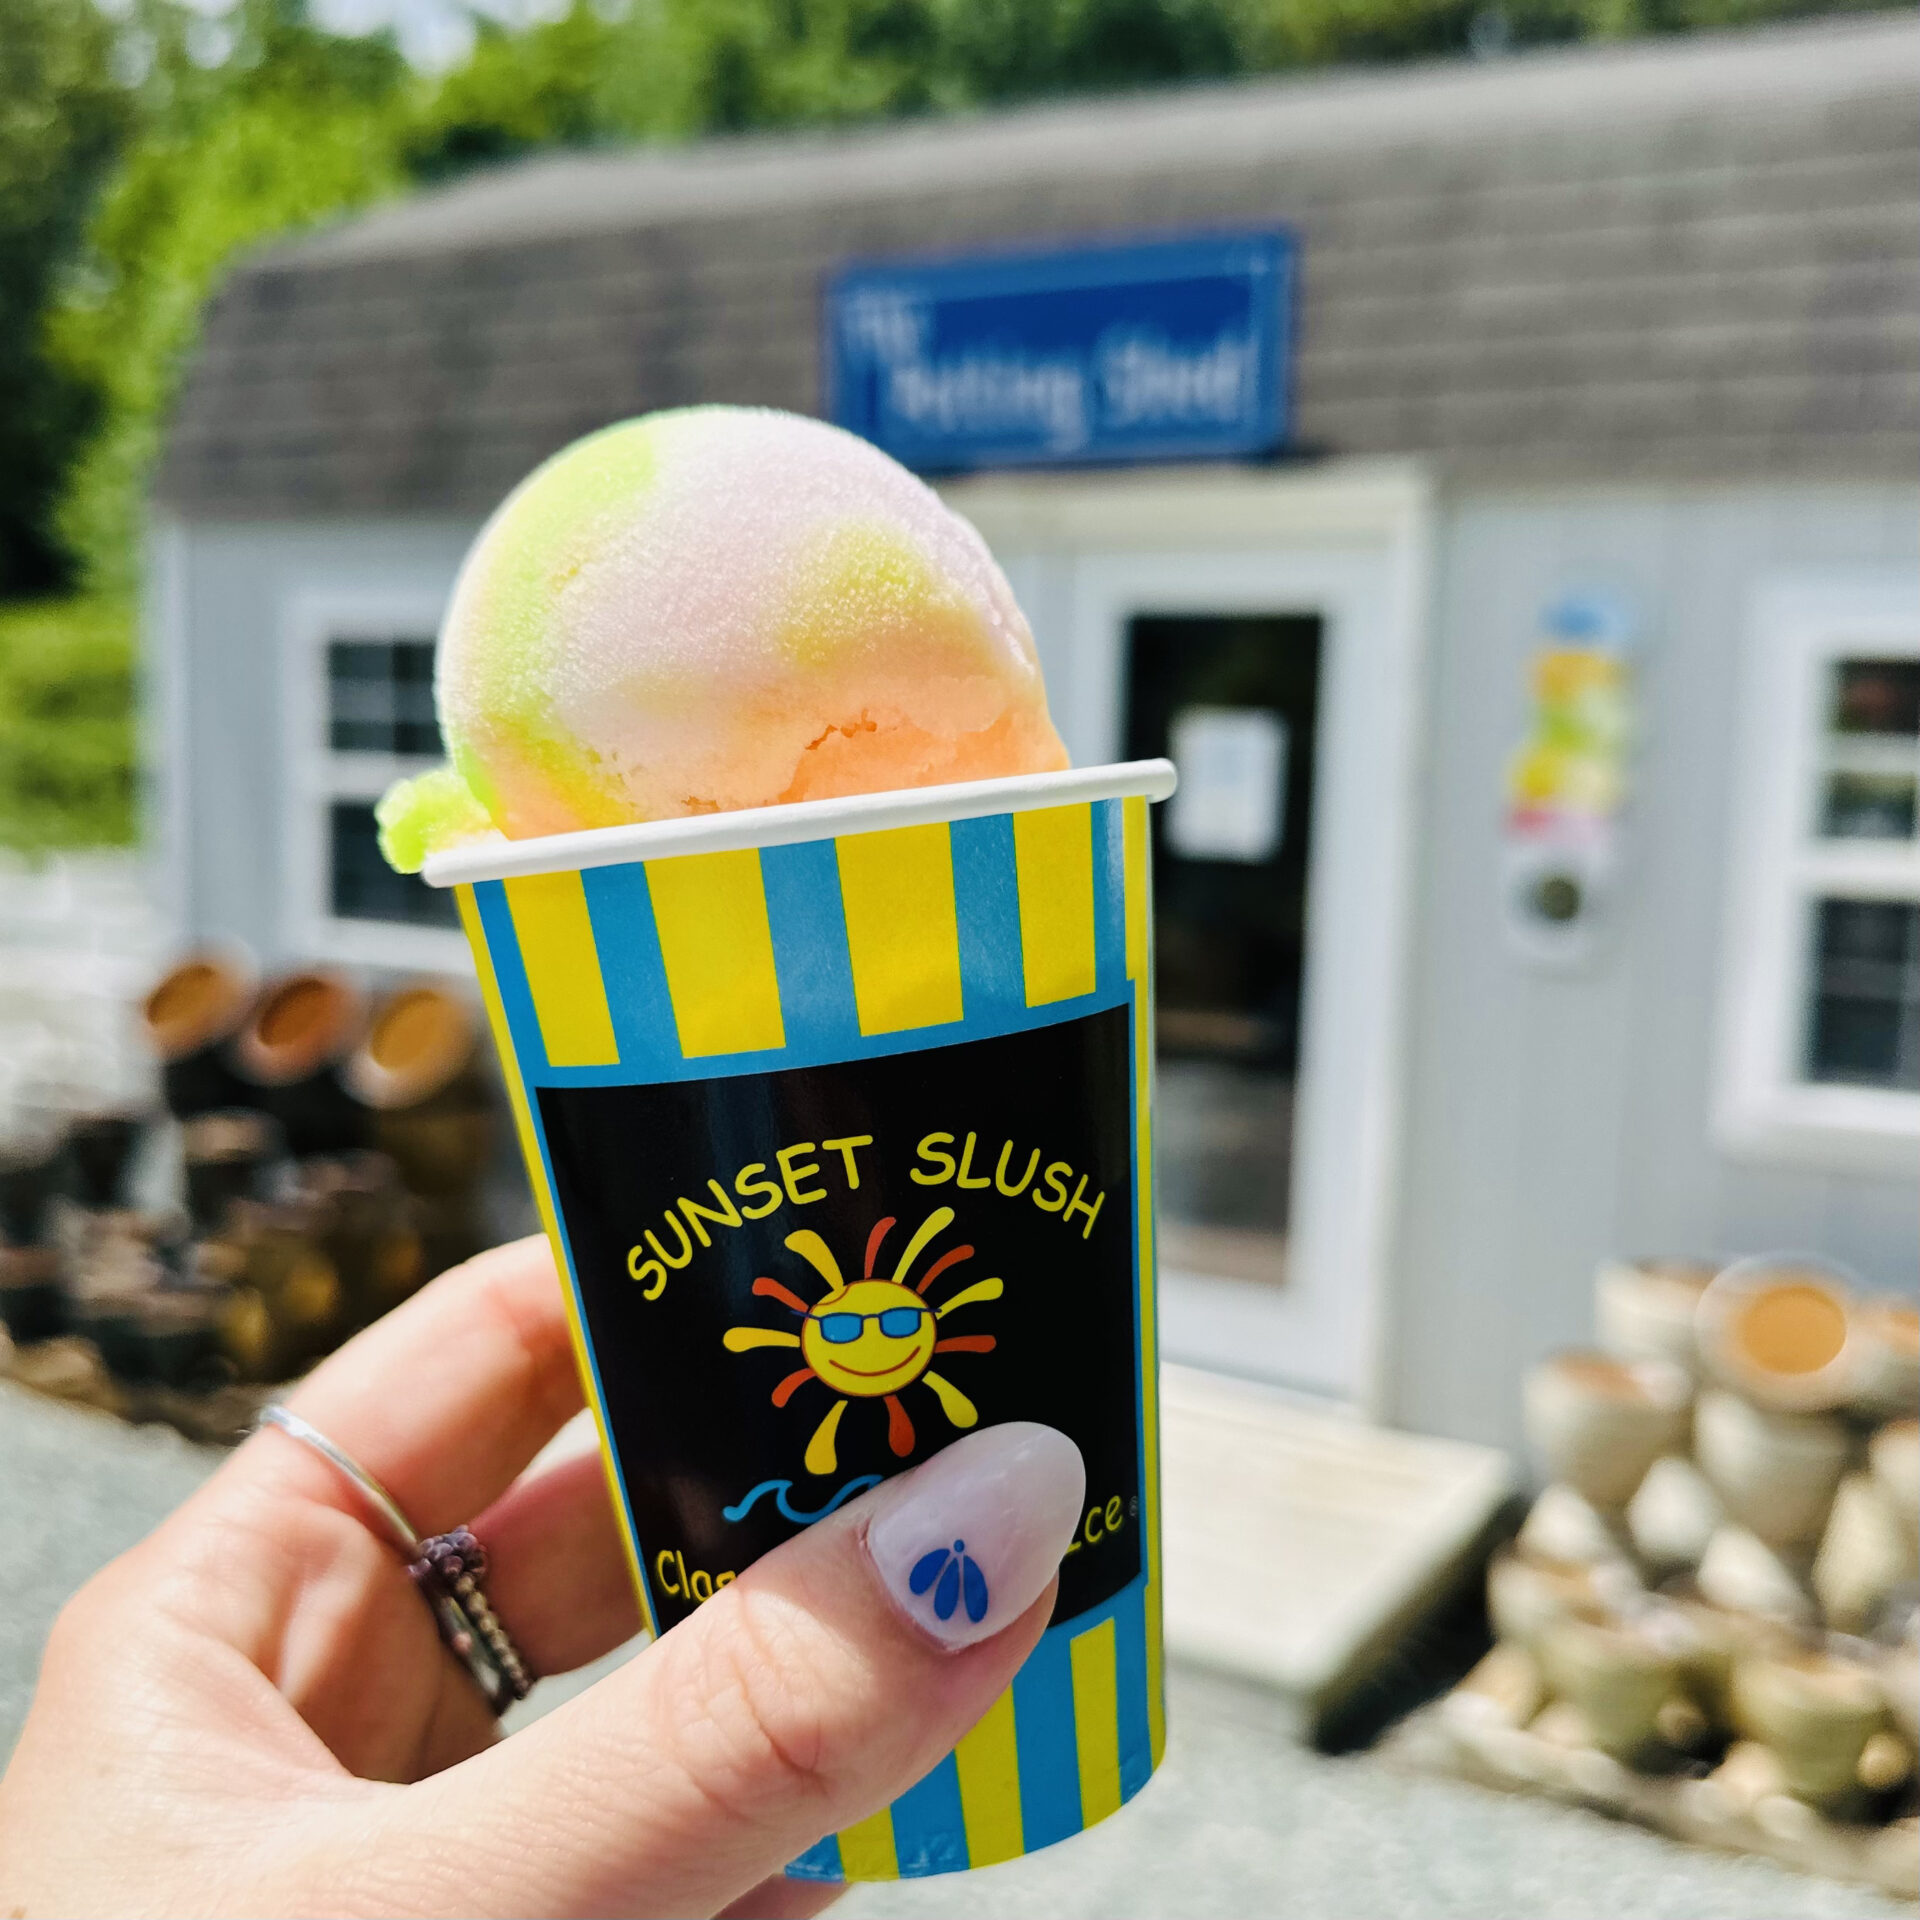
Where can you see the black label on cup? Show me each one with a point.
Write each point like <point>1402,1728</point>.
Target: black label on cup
<point>799,1283</point>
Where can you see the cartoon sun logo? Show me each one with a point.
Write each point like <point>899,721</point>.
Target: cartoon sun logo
<point>871,1339</point>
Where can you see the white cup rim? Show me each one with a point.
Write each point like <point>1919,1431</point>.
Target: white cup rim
<point>799,820</point>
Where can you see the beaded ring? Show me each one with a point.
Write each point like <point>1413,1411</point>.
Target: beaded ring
<point>448,1570</point>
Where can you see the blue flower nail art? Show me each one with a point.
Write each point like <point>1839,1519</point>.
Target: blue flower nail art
<point>957,1574</point>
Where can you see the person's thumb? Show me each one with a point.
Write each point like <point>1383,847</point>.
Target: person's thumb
<point>826,1680</point>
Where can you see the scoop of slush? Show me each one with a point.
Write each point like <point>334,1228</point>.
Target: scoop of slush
<point>711,608</point>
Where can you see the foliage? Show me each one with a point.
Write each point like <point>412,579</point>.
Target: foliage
<point>146,143</point>
<point>61,120</point>
<point>66,724</point>
<point>299,130</point>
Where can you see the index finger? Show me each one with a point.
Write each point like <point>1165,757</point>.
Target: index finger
<point>446,1399</point>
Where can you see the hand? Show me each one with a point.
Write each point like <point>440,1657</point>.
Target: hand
<point>251,1711</point>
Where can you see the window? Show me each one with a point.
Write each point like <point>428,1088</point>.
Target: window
<point>360,716</point>
<point>380,697</point>
<point>1821,1055</point>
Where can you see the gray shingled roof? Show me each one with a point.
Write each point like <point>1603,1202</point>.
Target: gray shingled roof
<point>1674,258</point>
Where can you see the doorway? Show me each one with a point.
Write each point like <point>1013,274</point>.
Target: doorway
<point>1233,701</point>
<point>1274,621</point>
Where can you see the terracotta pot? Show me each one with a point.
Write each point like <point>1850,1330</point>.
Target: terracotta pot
<point>247,1336</point>
<point>1525,1596</point>
<point>1815,1713</point>
<point>1777,1472</point>
<point>1563,1527</point>
<point>1598,1423</point>
<point>1900,1681</point>
<point>1709,1641</point>
<point>1749,1774</point>
<point>1504,1689</point>
<point>420,1043</point>
<point>365,1224</point>
<point>1887,1378</point>
<point>32,1173</point>
<point>1741,1573</point>
<point>1618,1677</point>
<point>171,1338</point>
<point>418,1072</point>
<point>99,1155</point>
<point>33,1305</point>
<point>189,1019</point>
<point>227,1156</point>
<point>290,1053</point>
<point>1644,1309</point>
<point>1673,1515</point>
<point>118,1251</point>
<point>1866,1553</point>
<point>1893,1458</point>
<point>1780,1330</point>
<point>286,1267</point>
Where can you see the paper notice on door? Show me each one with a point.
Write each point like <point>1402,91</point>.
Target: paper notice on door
<point>1231,800</point>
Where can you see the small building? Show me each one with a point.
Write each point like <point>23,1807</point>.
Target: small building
<point>1548,694</point>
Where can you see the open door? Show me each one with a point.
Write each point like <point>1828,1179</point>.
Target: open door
<point>1233,699</point>
<point>1264,631</point>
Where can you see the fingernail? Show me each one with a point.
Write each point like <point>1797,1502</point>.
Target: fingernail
<point>968,1542</point>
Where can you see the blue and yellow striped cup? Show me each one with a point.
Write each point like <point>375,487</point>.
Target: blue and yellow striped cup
<point>887,1058</point>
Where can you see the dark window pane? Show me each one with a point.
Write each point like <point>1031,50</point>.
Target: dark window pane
<point>1869,806</point>
<point>380,697</point>
<point>1864,1019</point>
<point>1876,696</point>
<point>364,887</point>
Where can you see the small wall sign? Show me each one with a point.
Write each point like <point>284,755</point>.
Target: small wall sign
<point>1567,780</point>
<point>1162,350</point>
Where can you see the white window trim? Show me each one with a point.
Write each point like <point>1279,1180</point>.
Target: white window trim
<point>1798,624</point>
<point>316,775</point>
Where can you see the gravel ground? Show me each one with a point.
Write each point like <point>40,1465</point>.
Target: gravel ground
<point>1240,1822</point>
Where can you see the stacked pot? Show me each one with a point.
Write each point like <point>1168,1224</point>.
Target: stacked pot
<point>332,1152</point>
<point>1719,1580</point>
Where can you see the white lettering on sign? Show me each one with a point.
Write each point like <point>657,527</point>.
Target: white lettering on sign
<point>1146,381</point>
<point>1134,379</point>
<point>1231,800</point>
<point>977,392</point>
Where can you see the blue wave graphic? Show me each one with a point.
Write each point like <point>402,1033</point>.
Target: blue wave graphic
<point>781,1488</point>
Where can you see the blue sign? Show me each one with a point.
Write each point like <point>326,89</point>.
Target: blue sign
<point>1164,350</point>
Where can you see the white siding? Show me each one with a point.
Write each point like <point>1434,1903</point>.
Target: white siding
<point>1556,1118</point>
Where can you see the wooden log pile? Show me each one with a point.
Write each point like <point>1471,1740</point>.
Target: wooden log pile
<point>328,1151</point>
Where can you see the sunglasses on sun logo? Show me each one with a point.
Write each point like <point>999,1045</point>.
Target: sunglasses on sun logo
<point>842,1329</point>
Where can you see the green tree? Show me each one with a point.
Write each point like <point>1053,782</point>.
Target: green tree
<point>62,118</point>
<point>293,127</point>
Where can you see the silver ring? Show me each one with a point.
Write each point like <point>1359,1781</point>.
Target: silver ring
<point>273,1414</point>
<point>446,1568</point>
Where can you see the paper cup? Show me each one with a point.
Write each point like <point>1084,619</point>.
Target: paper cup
<point>895,1053</point>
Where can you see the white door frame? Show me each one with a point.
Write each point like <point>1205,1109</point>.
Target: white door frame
<point>1349,543</point>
